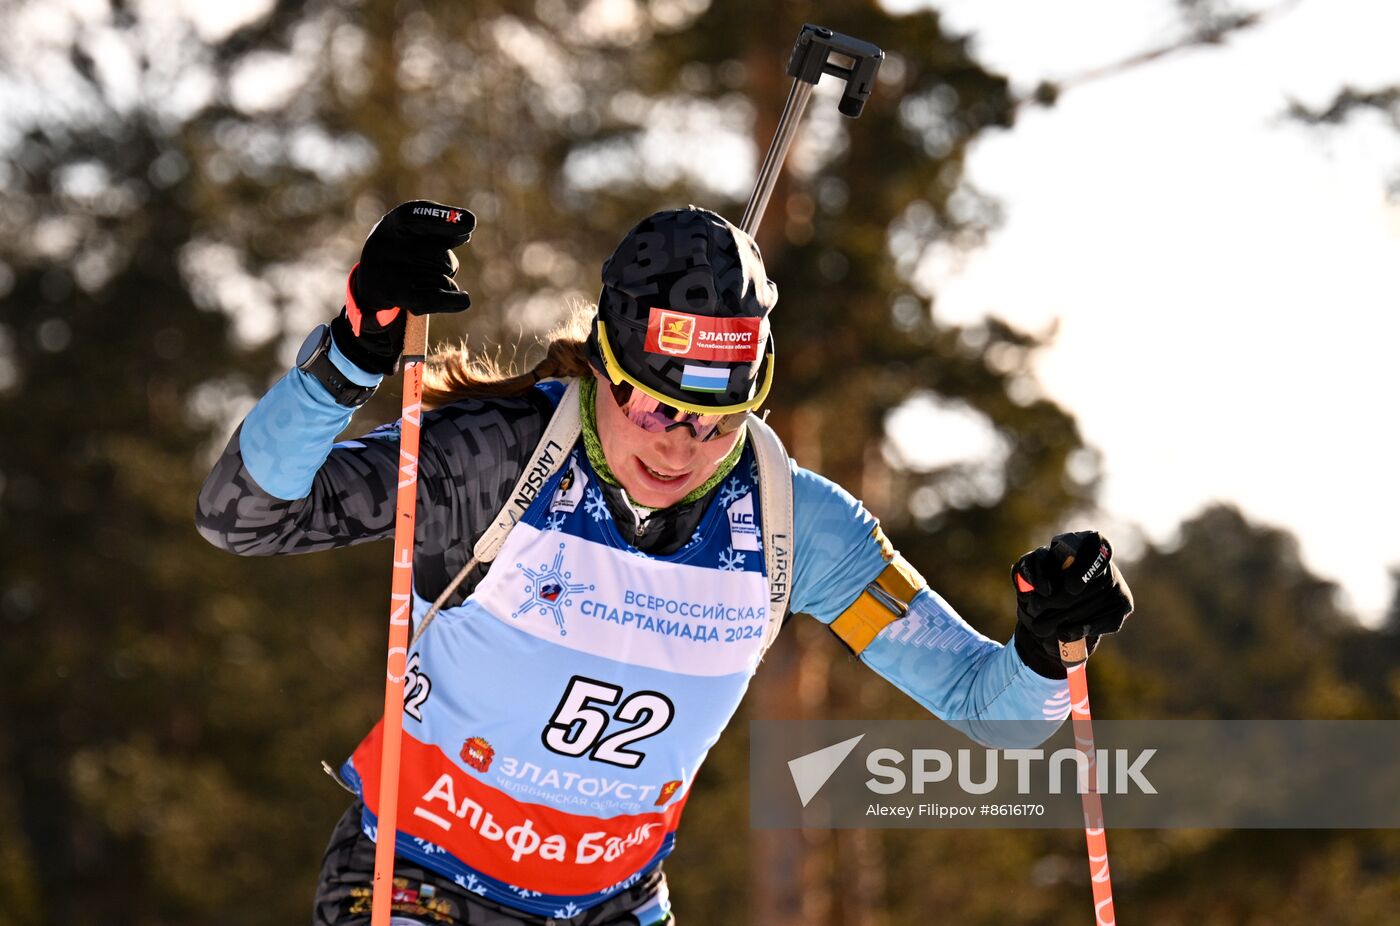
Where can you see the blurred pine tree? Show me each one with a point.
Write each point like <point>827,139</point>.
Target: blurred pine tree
<point>179,205</point>
<point>180,209</point>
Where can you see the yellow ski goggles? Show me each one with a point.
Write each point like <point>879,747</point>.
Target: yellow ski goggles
<point>618,376</point>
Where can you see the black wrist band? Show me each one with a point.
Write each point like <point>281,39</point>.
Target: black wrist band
<point>315,358</point>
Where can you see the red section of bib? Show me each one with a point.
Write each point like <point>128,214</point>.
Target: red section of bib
<point>533,846</point>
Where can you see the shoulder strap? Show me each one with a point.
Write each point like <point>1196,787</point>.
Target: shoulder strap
<point>550,453</point>
<point>775,497</point>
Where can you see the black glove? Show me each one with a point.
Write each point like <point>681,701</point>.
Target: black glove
<point>406,264</point>
<point>1070,590</point>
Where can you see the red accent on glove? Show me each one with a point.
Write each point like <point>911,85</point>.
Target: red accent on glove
<point>1022,585</point>
<point>352,311</point>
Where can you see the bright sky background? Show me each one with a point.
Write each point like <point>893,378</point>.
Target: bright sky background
<point>1225,281</point>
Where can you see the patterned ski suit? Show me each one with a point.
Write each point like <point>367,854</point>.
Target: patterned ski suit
<point>559,707</point>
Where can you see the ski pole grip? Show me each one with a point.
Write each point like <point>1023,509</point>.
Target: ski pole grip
<point>812,57</point>
<point>415,338</point>
<point>1072,652</point>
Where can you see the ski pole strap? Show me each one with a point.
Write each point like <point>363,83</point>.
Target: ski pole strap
<point>883,601</point>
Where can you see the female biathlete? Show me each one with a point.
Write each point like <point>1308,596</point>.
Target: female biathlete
<point>563,696</point>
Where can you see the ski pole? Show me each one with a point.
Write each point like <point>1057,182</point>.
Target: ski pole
<point>1074,655</point>
<point>812,56</point>
<point>400,608</point>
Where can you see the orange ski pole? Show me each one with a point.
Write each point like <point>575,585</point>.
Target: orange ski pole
<point>1074,655</point>
<point>400,611</point>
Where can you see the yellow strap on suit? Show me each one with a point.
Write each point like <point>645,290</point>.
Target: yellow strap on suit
<point>883,601</point>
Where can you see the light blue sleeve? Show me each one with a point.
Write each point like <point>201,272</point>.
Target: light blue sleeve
<point>290,432</point>
<point>976,685</point>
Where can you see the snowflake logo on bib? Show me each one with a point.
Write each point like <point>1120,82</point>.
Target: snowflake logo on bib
<point>595,505</point>
<point>731,492</point>
<point>550,590</point>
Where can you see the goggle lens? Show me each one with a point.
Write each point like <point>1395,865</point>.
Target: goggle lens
<point>657,417</point>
